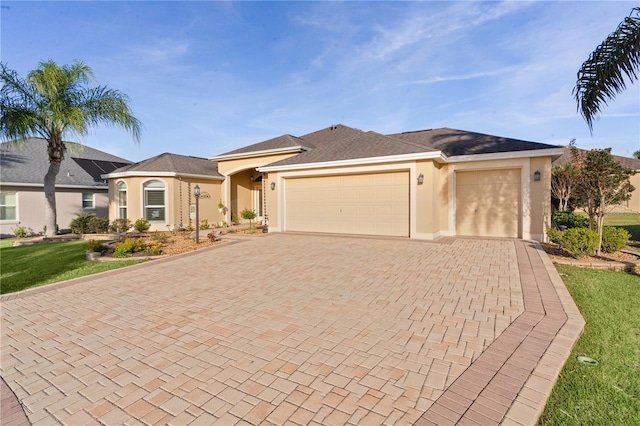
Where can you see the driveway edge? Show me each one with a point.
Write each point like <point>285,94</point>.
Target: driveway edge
<point>512,379</point>
<point>532,399</point>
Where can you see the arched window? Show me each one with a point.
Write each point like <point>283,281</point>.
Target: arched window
<point>154,208</point>
<point>122,200</point>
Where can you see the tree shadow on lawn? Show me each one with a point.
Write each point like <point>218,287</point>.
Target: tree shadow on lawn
<point>31,266</point>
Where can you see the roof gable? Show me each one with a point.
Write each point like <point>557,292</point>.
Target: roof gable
<point>280,142</point>
<point>173,163</point>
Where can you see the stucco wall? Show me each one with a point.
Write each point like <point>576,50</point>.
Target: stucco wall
<point>540,197</point>
<point>31,207</point>
<point>226,167</point>
<point>178,197</point>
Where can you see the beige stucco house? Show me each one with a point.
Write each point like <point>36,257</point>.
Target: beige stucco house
<point>160,189</point>
<point>80,189</point>
<point>422,185</point>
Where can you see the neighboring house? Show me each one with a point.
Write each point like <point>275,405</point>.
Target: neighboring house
<point>423,184</point>
<point>79,187</point>
<point>160,189</point>
<point>633,204</point>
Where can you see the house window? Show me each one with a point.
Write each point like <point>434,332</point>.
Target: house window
<point>122,200</point>
<point>154,208</point>
<point>87,200</point>
<point>7,205</point>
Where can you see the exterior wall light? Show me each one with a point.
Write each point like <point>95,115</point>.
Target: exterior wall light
<point>273,185</point>
<point>420,179</point>
<point>536,176</point>
<point>196,193</point>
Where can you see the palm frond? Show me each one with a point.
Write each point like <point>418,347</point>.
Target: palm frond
<point>603,75</point>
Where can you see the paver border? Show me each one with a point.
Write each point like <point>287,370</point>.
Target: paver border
<point>512,379</point>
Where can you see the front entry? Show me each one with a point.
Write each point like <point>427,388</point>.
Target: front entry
<point>258,202</point>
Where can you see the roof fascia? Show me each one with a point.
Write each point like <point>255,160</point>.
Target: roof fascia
<point>433,155</point>
<point>163,174</point>
<point>289,149</point>
<point>548,152</point>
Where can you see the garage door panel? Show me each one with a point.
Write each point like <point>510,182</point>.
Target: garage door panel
<point>488,203</point>
<point>373,203</point>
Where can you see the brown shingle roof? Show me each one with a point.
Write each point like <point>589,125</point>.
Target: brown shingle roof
<point>460,142</point>
<point>632,163</point>
<point>284,141</point>
<point>360,145</point>
<point>179,164</point>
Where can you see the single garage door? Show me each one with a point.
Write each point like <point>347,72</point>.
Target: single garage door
<point>488,203</point>
<point>370,204</point>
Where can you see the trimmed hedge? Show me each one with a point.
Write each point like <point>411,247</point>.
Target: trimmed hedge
<point>614,239</point>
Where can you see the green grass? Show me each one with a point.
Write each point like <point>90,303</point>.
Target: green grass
<point>32,266</point>
<point>609,393</point>
<point>6,242</point>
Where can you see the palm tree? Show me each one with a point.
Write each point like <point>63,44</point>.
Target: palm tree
<point>602,75</point>
<point>55,102</point>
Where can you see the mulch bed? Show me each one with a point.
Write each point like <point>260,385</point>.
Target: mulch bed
<point>556,252</point>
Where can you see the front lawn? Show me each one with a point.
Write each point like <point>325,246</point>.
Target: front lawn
<point>608,393</point>
<point>32,266</point>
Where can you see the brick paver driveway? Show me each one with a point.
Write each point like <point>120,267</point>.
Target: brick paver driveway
<point>296,329</point>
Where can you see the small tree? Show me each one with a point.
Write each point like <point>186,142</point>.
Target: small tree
<point>564,180</point>
<point>249,215</point>
<point>603,183</point>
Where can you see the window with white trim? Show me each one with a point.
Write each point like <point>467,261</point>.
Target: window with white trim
<point>87,200</point>
<point>8,205</point>
<point>154,208</point>
<point>122,200</point>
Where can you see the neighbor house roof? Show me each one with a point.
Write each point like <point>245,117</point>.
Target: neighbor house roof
<point>632,163</point>
<point>170,164</point>
<point>27,162</point>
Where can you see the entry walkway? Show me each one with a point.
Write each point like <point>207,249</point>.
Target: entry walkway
<point>296,329</point>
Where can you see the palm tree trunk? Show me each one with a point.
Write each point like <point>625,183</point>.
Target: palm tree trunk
<point>50,197</point>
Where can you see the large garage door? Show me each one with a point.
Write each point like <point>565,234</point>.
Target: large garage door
<point>488,203</point>
<point>371,204</point>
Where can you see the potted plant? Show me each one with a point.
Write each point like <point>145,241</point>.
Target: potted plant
<point>222,208</point>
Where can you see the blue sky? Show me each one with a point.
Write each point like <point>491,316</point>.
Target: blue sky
<point>208,77</point>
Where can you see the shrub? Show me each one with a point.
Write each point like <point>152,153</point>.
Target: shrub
<point>570,220</point>
<point>204,224</point>
<point>614,239</point>
<point>580,241</point>
<point>189,228</point>
<point>128,246</point>
<point>120,225</point>
<point>154,248</point>
<point>555,235</point>
<point>161,237</point>
<point>89,224</point>
<point>142,225</point>
<point>19,232</point>
<point>93,245</point>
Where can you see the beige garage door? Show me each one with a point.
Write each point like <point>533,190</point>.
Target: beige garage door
<point>488,203</point>
<point>370,204</point>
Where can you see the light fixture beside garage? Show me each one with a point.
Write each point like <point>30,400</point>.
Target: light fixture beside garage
<point>273,185</point>
<point>420,179</point>
<point>536,176</point>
